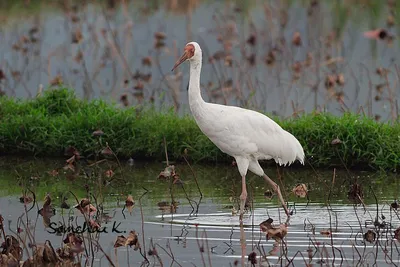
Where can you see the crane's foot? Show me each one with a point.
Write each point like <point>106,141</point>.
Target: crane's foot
<point>242,242</point>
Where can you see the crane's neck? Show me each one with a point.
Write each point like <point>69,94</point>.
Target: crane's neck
<point>195,99</point>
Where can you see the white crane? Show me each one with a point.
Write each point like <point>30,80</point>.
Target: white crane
<point>244,134</point>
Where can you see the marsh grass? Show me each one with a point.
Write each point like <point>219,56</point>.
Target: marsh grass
<point>49,124</point>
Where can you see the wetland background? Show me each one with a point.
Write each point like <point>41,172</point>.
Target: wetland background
<point>281,57</point>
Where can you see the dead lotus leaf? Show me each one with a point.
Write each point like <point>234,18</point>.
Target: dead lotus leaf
<point>85,207</point>
<point>12,250</point>
<point>25,199</point>
<point>49,255</point>
<point>300,190</point>
<point>129,202</point>
<point>326,232</point>
<point>132,240</point>
<point>336,141</point>
<point>370,236</point>
<point>72,151</point>
<point>109,173</point>
<point>120,242</point>
<point>69,166</point>
<point>29,263</point>
<point>397,234</point>
<point>276,233</point>
<point>71,160</point>
<point>167,173</point>
<point>66,254</point>
<point>47,211</point>
<point>8,260</point>
<point>47,201</point>
<point>98,133</point>
<point>43,255</point>
<point>107,151</point>
<point>73,244</point>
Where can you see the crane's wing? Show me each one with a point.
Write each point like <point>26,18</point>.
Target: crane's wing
<point>240,132</point>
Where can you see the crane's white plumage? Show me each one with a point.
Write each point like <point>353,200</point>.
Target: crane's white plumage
<point>246,135</point>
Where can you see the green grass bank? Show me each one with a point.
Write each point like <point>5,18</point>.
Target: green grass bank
<point>47,125</point>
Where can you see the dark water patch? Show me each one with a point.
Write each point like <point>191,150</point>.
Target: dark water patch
<point>327,228</point>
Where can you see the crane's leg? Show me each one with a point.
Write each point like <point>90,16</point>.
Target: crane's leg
<point>243,165</point>
<point>243,197</point>
<point>278,191</point>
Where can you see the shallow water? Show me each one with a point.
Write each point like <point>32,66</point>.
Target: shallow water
<point>213,228</point>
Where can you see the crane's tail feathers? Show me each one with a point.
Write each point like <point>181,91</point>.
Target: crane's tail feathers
<point>291,151</point>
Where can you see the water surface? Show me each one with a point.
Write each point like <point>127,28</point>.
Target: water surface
<point>207,224</point>
<point>112,44</point>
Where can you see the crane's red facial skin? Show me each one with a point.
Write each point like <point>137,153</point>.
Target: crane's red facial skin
<point>189,53</point>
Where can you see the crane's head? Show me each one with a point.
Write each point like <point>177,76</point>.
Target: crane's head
<point>192,52</point>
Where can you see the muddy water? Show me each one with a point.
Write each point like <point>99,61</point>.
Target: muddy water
<point>324,230</point>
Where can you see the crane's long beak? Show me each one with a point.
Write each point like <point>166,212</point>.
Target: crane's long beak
<point>181,60</point>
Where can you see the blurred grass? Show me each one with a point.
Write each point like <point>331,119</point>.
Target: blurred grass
<point>48,124</point>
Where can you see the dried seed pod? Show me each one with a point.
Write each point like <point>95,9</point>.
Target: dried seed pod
<point>339,96</point>
<point>340,79</point>
<point>296,67</point>
<point>252,39</point>
<point>252,60</point>
<point>56,80</point>
<point>160,36</point>
<point>380,88</point>
<point>309,59</point>
<point>228,61</point>
<point>296,40</point>
<point>330,81</point>
<point>146,61</point>
<point>146,77</point>
<point>158,44</point>
<point>139,86</point>
<point>270,58</point>
<point>77,36</point>
<point>124,100</point>
<point>382,71</point>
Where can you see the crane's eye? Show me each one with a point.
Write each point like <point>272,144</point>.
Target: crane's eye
<point>189,50</point>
